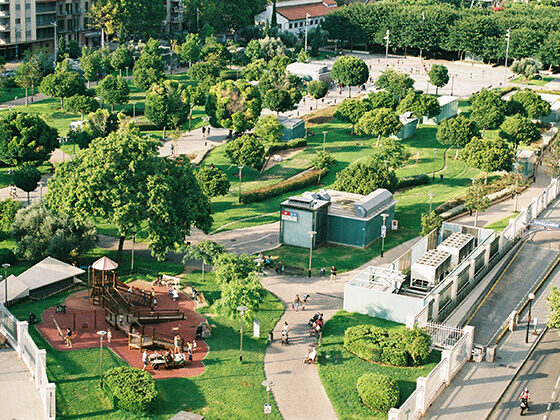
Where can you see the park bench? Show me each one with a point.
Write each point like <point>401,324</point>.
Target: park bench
<point>291,269</point>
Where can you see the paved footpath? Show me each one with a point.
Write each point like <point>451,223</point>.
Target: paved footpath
<point>20,399</point>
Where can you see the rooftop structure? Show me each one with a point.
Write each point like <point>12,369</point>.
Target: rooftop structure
<point>459,245</point>
<point>310,71</point>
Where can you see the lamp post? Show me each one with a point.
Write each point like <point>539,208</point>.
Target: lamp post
<point>435,163</point>
<point>531,298</point>
<point>5,266</point>
<point>267,384</point>
<point>431,195</point>
<point>132,256</point>
<point>311,233</point>
<point>516,192</point>
<point>508,36</point>
<point>101,334</point>
<point>242,310</point>
<point>387,48</point>
<point>383,233</point>
<point>126,71</point>
<point>240,175</point>
<point>55,41</point>
<point>324,139</point>
<point>452,82</point>
<point>306,26</point>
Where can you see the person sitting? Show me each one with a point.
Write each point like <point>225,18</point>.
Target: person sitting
<point>279,267</point>
<point>169,291</point>
<point>312,356</point>
<point>268,262</point>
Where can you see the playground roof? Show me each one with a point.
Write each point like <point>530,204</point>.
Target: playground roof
<point>46,272</point>
<point>16,289</point>
<point>104,264</point>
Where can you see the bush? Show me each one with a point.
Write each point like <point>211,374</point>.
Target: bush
<point>378,392</point>
<point>292,184</point>
<point>80,104</point>
<point>7,256</point>
<point>292,144</point>
<point>133,389</point>
<point>413,181</point>
<point>392,347</point>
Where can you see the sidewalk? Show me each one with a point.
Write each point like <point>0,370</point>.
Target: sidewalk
<point>20,399</point>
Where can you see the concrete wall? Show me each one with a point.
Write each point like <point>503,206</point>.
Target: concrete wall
<point>407,131</point>
<point>295,233</point>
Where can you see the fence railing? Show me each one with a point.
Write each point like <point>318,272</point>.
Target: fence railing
<point>17,334</point>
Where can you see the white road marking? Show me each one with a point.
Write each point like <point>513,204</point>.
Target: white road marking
<point>549,407</point>
<point>552,396</point>
<point>557,383</point>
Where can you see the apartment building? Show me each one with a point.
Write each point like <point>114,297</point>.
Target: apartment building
<point>175,17</point>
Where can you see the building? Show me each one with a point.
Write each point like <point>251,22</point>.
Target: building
<point>291,15</point>
<point>449,109</point>
<point>526,163</point>
<point>554,115</point>
<point>409,123</point>
<point>175,21</point>
<point>294,128</point>
<point>310,71</point>
<point>335,217</point>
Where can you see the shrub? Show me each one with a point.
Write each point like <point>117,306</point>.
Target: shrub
<point>133,389</point>
<point>7,256</point>
<point>81,104</point>
<point>295,183</point>
<point>277,146</point>
<point>378,392</point>
<point>412,181</point>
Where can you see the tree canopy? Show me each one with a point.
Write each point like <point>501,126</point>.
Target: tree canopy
<point>488,155</point>
<point>63,83</point>
<point>149,68</point>
<point>529,104</point>
<point>397,84</point>
<point>350,71</point>
<point>381,99</point>
<point>268,128</point>
<point>27,177</point>
<point>379,122</point>
<point>439,76</point>
<point>457,131</point>
<point>365,176</point>
<point>167,104</point>
<point>351,110</point>
<point>246,150</point>
<point>488,109</point>
<point>113,90</point>
<point>213,181</point>
<point>517,129</point>
<point>526,67</point>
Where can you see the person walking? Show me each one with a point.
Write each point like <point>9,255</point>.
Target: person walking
<point>296,303</point>
<point>109,335</point>
<point>333,274</point>
<point>145,359</point>
<point>68,338</point>
<point>177,343</point>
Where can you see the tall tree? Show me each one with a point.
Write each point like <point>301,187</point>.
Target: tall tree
<point>458,131</point>
<point>350,71</point>
<point>149,68</point>
<point>351,110</point>
<point>122,179</point>
<point>439,76</point>
<point>91,63</point>
<point>476,199</point>
<point>526,67</point>
<point>529,104</point>
<point>114,90</point>
<point>365,176</point>
<point>206,251</point>
<point>213,181</point>
<point>397,84</point>
<point>27,177</point>
<point>381,99</point>
<point>268,128</point>
<point>63,83</point>
<point>488,155</point>
<point>246,150</point>
<point>317,89</point>
<point>121,59</point>
<point>280,90</point>
<point>552,159</point>
<point>488,109</point>
<point>167,105</point>
<point>379,122</point>
<point>190,49</point>
<point>28,75</point>
<point>420,105</point>
<point>517,129</point>
<point>224,14</point>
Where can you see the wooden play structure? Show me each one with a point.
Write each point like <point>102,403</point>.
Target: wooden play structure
<point>128,309</point>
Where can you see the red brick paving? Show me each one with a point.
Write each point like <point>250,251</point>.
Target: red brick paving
<point>85,338</point>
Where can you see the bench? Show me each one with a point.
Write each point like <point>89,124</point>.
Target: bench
<point>296,271</point>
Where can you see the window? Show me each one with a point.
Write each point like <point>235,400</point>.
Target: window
<point>18,7</point>
<point>291,25</point>
<point>27,6</point>
<point>28,35</point>
<point>18,21</point>
<point>27,20</point>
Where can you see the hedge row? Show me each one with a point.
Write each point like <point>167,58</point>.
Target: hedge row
<point>399,347</point>
<point>292,144</point>
<point>379,392</point>
<point>133,389</point>
<point>291,184</point>
<point>413,181</point>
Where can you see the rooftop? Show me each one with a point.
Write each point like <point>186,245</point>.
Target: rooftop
<point>299,12</point>
<point>444,100</point>
<point>433,258</point>
<point>46,272</point>
<point>457,240</point>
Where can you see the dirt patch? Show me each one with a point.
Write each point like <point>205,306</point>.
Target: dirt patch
<point>286,154</point>
<point>321,116</point>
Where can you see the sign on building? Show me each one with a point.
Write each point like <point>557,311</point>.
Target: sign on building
<point>290,216</point>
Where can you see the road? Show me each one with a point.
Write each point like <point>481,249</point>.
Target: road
<point>541,374</point>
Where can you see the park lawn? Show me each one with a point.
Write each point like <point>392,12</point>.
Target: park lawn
<point>340,370</point>
<point>7,179</point>
<point>534,81</point>
<point>9,94</point>
<point>501,224</point>
<point>227,389</point>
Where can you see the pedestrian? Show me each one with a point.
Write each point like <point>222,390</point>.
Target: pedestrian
<point>208,131</point>
<point>194,345</point>
<point>296,303</point>
<point>109,335</point>
<point>333,274</point>
<point>172,149</point>
<point>145,359</point>
<point>68,338</point>
<point>177,343</point>
<point>203,130</point>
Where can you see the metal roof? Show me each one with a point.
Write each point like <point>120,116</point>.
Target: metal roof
<point>46,272</point>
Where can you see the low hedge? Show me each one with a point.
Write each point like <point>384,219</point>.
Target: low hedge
<point>292,144</point>
<point>379,392</point>
<point>392,347</point>
<point>291,184</point>
<point>413,181</point>
<point>7,256</point>
<point>133,389</point>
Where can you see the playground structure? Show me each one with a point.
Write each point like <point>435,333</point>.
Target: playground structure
<point>128,309</point>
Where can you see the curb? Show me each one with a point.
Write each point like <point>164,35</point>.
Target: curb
<point>527,356</point>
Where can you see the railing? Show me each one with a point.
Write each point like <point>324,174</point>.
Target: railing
<point>35,359</point>
<point>443,336</point>
<point>158,314</point>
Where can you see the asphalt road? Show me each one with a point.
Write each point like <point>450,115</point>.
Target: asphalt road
<point>541,374</point>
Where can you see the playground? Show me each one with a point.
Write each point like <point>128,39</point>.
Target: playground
<point>132,328</point>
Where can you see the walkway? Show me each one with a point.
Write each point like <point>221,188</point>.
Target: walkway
<point>20,399</point>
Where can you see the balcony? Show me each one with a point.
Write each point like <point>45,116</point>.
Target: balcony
<point>4,13</point>
<point>4,28</point>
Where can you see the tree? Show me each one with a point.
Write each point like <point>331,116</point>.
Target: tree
<point>279,80</point>
<point>63,83</point>
<point>206,74</point>
<point>100,123</point>
<point>526,67</point>
<point>350,71</point>
<point>417,343</point>
<point>27,177</point>
<point>246,150</point>
<point>397,84</point>
<point>91,63</point>
<point>230,267</point>
<point>476,199</point>
<point>392,152</point>
<point>122,179</point>
<point>365,176</point>
<point>253,51</point>
<point>224,14</point>
<point>25,138</point>
<point>149,68</point>
<point>28,75</point>
<point>278,100</point>
<point>420,105</point>
<point>271,47</point>
<point>488,155</point>
<point>439,76</point>
<point>39,233</point>
<point>457,131</point>
<point>254,69</point>
<point>207,251</point>
<point>303,57</point>
<point>550,50</point>
<point>553,301</point>
<point>268,129</point>
<point>213,181</point>
<point>8,211</point>
<point>517,129</point>
<point>379,122</point>
<point>552,160</point>
<point>190,49</point>
<point>488,109</point>
<point>166,105</point>
<point>430,222</point>
<point>106,15</point>
<point>214,52</point>
<point>529,104</point>
<point>121,59</point>
<point>317,89</point>
<point>81,104</point>
<point>113,90</point>
<point>322,160</point>
<point>351,110</point>
<point>234,105</point>
<point>381,99</point>
<point>247,292</point>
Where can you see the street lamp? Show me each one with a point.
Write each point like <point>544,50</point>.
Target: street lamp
<point>55,41</point>
<point>508,36</point>
<point>132,256</point>
<point>383,233</point>
<point>101,334</point>
<point>431,195</point>
<point>242,310</point>
<point>531,298</point>
<point>267,384</point>
<point>452,82</point>
<point>307,15</point>
<point>311,233</point>
<point>6,266</point>
<point>435,163</point>
<point>516,192</point>
<point>324,139</point>
<point>240,175</point>
<point>387,49</point>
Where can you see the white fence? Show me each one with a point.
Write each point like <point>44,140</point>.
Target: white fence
<point>36,360</point>
<point>428,388</point>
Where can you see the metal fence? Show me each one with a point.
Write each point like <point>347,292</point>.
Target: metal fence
<point>35,359</point>
<point>443,336</point>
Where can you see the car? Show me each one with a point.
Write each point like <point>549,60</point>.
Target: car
<point>177,360</point>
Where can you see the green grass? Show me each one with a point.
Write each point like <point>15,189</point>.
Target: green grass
<point>9,94</point>
<point>227,389</point>
<point>534,81</point>
<point>340,370</point>
<point>501,224</point>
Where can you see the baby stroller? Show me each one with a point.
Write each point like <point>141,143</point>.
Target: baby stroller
<point>285,338</point>
<point>60,309</point>
<point>313,319</point>
<point>32,319</point>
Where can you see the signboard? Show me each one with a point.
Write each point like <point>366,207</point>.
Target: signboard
<point>395,225</point>
<point>290,216</point>
<point>267,409</point>
<point>545,224</point>
<point>383,231</point>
